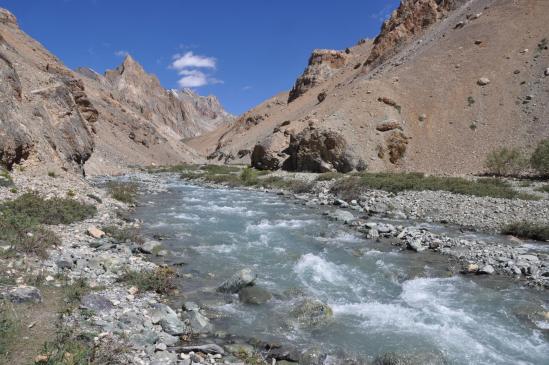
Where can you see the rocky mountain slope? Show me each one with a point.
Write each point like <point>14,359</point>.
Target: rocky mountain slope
<point>443,84</point>
<point>56,118</point>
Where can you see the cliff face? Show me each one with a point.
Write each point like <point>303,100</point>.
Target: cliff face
<point>409,20</point>
<point>45,113</point>
<point>443,84</point>
<point>50,115</point>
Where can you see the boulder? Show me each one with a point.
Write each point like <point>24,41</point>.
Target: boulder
<point>22,294</point>
<point>254,295</point>
<point>483,81</point>
<point>96,302</point>
<point>168,320</point>
<point>95,232</point>
<point>317,150</point>
<point>241,279</point>
<point>150,247</point>
<point>267,154</point>
<point>487,269</point>
<point>198,322</point>
<point>311,312</point>
<point>415,245</point>
<point>388,126</point>
<point>342,216</point>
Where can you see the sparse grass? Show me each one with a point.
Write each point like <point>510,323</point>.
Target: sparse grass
<point>219,169</point>
<point>543,188</point>
<point>95,197</point>
<point>9,326</point>
<point>68,349</point>
<point>161,280</point>
<point>74,292</point>
<point>125,192</point>
<point>293,185</point>
<point>121,235</point>
<point>525,184</point>
<point>71,194</point>
<point>21,221</point>
<point>540,158</point>
<point>470,101</point>
<point>396,182</point>
<point>505,162</point>
<point>174,169</point>
<point>534,231</point>
<point>327,176</point>
<point>5,178</point>
<point>50,211</point>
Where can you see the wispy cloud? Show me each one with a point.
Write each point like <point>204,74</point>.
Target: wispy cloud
<point>189,59</point>
<point>193,69</point>
<point>121,53</point>
<point>247,87</point>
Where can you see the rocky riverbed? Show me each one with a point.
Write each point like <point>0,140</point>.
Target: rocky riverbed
<point>143,327</point>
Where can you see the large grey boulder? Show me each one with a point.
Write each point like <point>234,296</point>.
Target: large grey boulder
<point>254,295</point>
<point>267,154</point>
<point>168,320</point>
<point>242,279</point>
<point>95,302</point>
<point>22,294</point>
<point>311,312</point>
<point>317,150</point>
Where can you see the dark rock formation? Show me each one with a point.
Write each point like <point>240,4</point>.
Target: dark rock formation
<point>318,151</point>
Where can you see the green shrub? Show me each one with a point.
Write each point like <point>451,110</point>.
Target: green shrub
<point>543,189</point>
<point>126,234</point>
<point>539,232</point>
<point>350,188</point>
<point>248,176</point>
<point>327,176</point>
<point>9,326</point>
<point>161,280</point>
<point>52,174</point>
<point>125,192</point>
<point>540,158</point>
<point>50,211</point>
<point>5,178</point>
<point>470,100</point>
<point>505,162</point>
<point>219,169</point>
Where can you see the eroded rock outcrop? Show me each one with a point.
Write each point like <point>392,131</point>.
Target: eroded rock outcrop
<point>323,63</point>
<point>410,19</point>
<point>44,111</point>
<point>267,154</point>
<point>318,151</point>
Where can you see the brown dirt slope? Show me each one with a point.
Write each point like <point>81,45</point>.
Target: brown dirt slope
<point>413,102</point>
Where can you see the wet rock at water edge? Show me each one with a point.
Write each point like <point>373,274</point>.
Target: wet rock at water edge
<point>486,269</point>
<point>198,322</point>
<point>342,216</point>
<point>311,312</point>
<point>423,358</point>
<point>168,320</point>
<point>242,279</point>
<point>254,295</point>
<point>150,247</point>
<point>22,294</point>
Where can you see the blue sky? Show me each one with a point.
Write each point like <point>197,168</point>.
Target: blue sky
<point>243,51</point>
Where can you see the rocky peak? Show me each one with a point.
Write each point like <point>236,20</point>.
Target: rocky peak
<point>323,63</point>
<point>410,19</point>
<point>7,17</point>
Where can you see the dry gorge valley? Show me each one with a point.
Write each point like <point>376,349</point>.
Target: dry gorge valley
<point>391,208</point>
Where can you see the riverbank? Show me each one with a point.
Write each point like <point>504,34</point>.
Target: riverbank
<point>469,215</point>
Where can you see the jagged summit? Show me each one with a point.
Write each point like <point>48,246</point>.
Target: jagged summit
<point>7,18</point>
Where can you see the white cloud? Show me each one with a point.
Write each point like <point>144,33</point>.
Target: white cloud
<point>192,67</point>
<point>121,53</point>
<point>247,87</point>
<point>189,59</point>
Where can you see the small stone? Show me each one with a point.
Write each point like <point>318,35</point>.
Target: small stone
<point>471,268</point>
<point>546,71</point>
<point>96,302</point>
<point>483,81</point>
<point>478,42</point>
<point>49,278</point>
<point>41,359</point>
<point>95,232</point>
<point>133,290</point>
<point>487,269</point>
<point>241,279</point>
<point>22,294</point>
<point>161,347</point>
<point>415,245</point>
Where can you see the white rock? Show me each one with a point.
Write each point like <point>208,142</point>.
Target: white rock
<point>483,81</point>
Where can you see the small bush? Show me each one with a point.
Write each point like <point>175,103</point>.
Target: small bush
<point>543,189</point>
<point>540,158</point>
<point>69,349</point>
<point>51,211</point>
<point>350,188</point>
<point>219,169</point>
<point>539,232</point>
<point>161,280</point>
<point>505,162</point>
<point>125,192</point>
<point>9,326</point>
<point>248,176</point>
<point>470,100</point>
<point>327,176</point>
<point>52,174</point>
<point>74,292</point>
<point>5,178</point>
<point>123,234</point>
